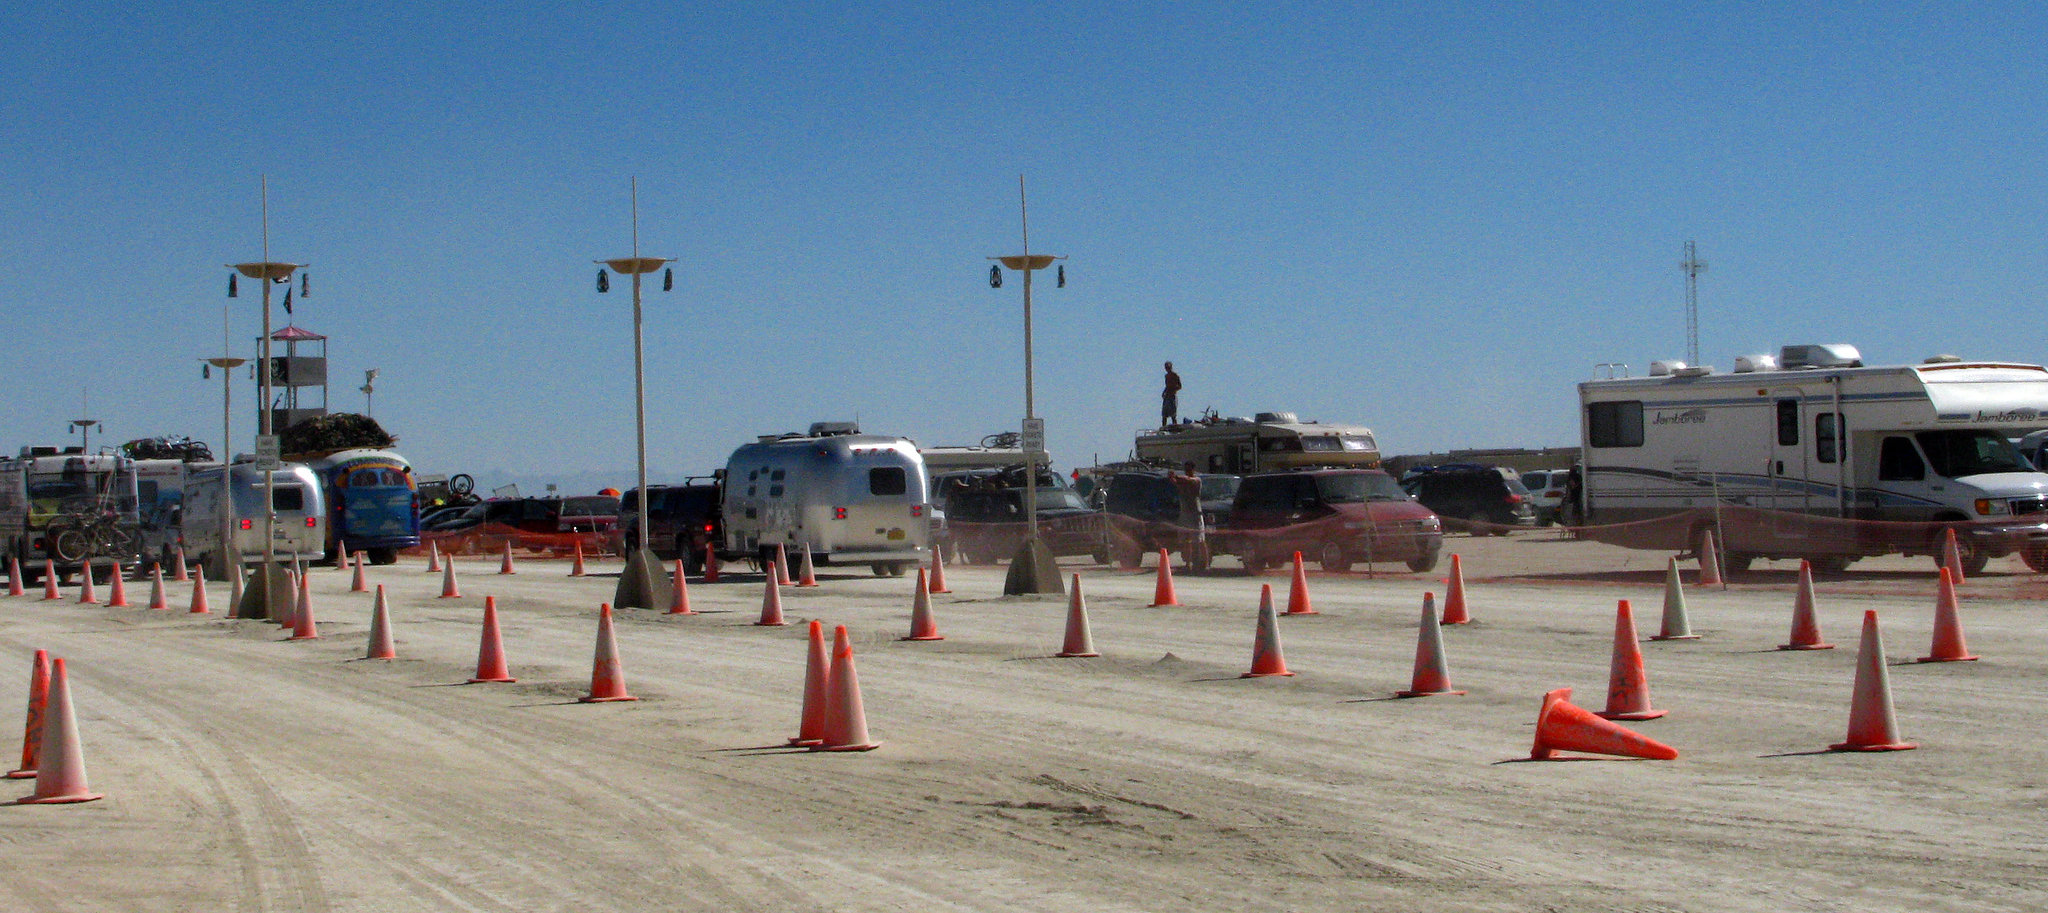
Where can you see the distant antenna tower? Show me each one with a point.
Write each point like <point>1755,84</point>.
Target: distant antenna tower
<point>1693,267</point>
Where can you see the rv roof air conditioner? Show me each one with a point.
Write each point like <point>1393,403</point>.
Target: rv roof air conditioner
<point>1693,371</point>
<point>1832,355</point>
<point>832,429</point>
<point>1283,418</point>
<point>1942,360</point>
<point>1665,366</point>
<point>1750,364</point>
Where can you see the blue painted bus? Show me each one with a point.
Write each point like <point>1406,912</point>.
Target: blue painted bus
<point>373,503</point>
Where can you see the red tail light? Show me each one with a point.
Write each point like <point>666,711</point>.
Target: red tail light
<point>917,510</point>
<point>248,524</point>
<point>838,513</point>
<point>1514,499</point>
<point>312,522</point>
<point>707,527</point>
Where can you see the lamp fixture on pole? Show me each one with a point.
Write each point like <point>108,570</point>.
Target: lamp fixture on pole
<point>1034,568</point>
<point>641,585</point>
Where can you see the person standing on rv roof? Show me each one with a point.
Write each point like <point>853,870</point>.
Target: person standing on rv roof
<point>1169,399</point>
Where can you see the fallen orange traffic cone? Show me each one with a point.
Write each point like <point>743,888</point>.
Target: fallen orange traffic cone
<point>1162,591</point>
<point>433,557</point>
<point>1710,560</point>
<point>1297,592</point>
<point>490,652</point>
<point>303,626</point>
<point>710,563</point>
<point>1454,597</point>
<point>1563,726</point>
<point>1951,556</point>
<point>156,588</point>
<point>1676,625</point>
<point>505,566</point>
<point>1079,642</point>
<point>1948,644</point>
<point>199,606</point>
<point>810,727</point>
<point>180,573</point>
<point>448,588</point>
<point>60,768</point>
<point>1628,686</point>
<point>681,604</point>
<point>807,576</point>
<point>1432,675</point>
<point>1266,658</point>
<point>86,594</point>
<point>771,599</point>
<point>14,577</point>
<point>846,720</point>
<point>117,598</point>
<point>922,627</point>
<point>938,578</point>
<point>1872,724</point>
<point>782,566</point>
<point>607,681</point>
<point>38,699</point>
<point>1805,626</point>
<point>359,583</point>
<point>381,644</point>
<point>577,569</point>
<point>50,581</point>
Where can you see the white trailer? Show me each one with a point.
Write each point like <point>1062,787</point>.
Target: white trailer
<point>1908,451</point>
<point>853,498</point>
<point>230,498</point>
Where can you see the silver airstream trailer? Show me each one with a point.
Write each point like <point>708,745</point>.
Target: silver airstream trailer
<point>853,498</point>
<point>230,498</point>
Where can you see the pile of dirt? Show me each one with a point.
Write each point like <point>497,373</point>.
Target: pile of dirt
<point>335,431</point>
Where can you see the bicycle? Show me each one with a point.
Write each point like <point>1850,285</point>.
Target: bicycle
<point>77,538</point>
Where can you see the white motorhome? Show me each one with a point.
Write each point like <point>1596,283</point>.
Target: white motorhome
<point>230,498</point>
<point>853,498</point>
<point>65,508</point>
<point>1265,442</point>
<point>1921,449</point>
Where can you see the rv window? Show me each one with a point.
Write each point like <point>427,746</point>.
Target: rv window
<point>1615,424</point>
<point>887,480</point>
<point>775,491</point>
<point>1788,423</point>
<point>1279,444</point>
<point>289,497</point>
<point>1321,443</point>
<point>1897,461</point>
<point>775,476</point>
<point>1827,437</point>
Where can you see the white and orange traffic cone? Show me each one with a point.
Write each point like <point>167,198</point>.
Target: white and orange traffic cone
<point>448,588</point>
<point>1564,726</point>
<point>771,599</point>
<point>360,583</point>
<point>1080,640</point>
<point>1951,556</point>
<point>381,644</point>
<point>60,767</point>
<point>1873,726</point>
<point>846,719</point>
<point>1710,560</point>
<point>1432,674</point>
<point>14,587</point>
<point>1676,625</point>
<point>922,627</point>
<point>490,651</point>
<point>938,578</point>
<point>1948,646</point>
<point>199,606</point>
<point>1162,590</point>
<point>1628,686</point>
<point>180,572</point>
<point>341,554</point>
<point>50,581</point>
<point>156,588</point>
<point>710,563</point>
<point>1297,591</point>
<point>287,609</point>
<point>1805,624</point>
<point>577,569</point>
<point>782,566</point>
<point>810,728</point>
<point>1455,612</point>
<point>607,680</point>
<point>303,626</point>
<point>505,565</point>
<point>1266,656</point>
<point>808,575</point>
<point>433,557</point>
<point>86,594</point>
<point>38,700</point>
<point>681,604</point>
<point>117,596</point>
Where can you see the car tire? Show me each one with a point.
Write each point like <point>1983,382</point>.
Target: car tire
<point>1333,558</point>
<point>1423,564</point>
<point>2036,557</point>
<point>1829,565</point>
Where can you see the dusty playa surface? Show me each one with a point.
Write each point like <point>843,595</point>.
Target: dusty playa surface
<point>244,772</point>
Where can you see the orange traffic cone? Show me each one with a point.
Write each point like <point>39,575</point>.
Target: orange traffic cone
<point>1266,658</point>
<point>156,588</point>
<point>1805,626</point>
<point>1710,561</point>
<point>1951,557</point>
<point>118,597</point>
<point>1948,644</point>
<point>433,557</point>
<point>1872,724</point>
<point>359,583</point>
<point>1628,687</point>
<point>810,727</point>
<point>86,594</point>
<point>577,569</point>
<point>50,581</point>
<point>1297,592</point>
<point>710,563</point>
<point>807,576</point>
<point>448,588</point>
<point>490,652</point>
<point>505,565</point>
<point>199,606</point>
<point>60,767</point>
<point>1162,592</point>
<point>180,573</point>
<point>1079,642</point>
<point>782,566</point>
<point>922,627</point>
<point>681,604</point>
<point>341,554</point>
<point>287,610</point>
<point>303,626</point>
<point>938,578</point>
<point>1454,598</point>
<point>846,721</point>
<point>771,599</point>
<point>1432,674</point>
<point>1563,726</point>
<point>38,699</point>
<point>14,577</point>
<point>1676,625</point>
<point>607,682</point>
<point>381,644</point>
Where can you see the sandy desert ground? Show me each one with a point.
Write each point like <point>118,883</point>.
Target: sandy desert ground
<point>244,772</point>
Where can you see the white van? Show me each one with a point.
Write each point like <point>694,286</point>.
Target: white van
<point>231,497</point>
<point>1817,433</point>
<point>853,498</point>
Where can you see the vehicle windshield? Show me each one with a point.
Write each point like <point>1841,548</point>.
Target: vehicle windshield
<point>1359,442</point>
<point>1061,499</point>
<point>1358,487</point>
<point>1220,488</point>
<point>1955,454</point>
<point>590,507</point>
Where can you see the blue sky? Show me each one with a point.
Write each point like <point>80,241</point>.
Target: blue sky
<point>1431,219</point>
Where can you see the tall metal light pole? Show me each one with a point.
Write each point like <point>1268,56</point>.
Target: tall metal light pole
<point>1033,569</point>
<point>226,363</point>
<point>640,586</point>
<point>266,272</point>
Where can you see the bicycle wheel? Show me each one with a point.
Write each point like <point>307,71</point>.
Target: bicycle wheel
<point>70,544</point>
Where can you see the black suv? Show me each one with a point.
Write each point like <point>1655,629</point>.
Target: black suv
<point>1481,498</point>
<point>682,520</point>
